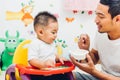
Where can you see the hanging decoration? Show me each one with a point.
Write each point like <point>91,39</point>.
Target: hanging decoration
<point>82,12</point>
<point>80,4</point>
<point>90,12</point>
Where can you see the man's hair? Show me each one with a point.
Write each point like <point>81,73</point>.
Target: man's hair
<point>42,19</point>
<point>114,6</point>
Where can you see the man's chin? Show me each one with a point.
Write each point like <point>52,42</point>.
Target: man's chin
<point>100,31</point>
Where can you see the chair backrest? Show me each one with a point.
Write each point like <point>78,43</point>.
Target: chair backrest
<point>21,53</point>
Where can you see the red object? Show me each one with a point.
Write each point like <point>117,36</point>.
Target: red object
<point>30,70</point>
<point>75,11</point>
<point>90,12</point>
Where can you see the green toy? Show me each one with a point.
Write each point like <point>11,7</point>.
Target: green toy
<point>10,43</point>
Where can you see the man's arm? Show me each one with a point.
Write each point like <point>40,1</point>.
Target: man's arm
<point>99,74</point>
<point>90,68</point>
<point>94,55</point>
<point>103,76</point>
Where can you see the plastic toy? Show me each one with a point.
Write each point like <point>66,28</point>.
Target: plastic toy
<point>20,70</point>
<point>10,43</point>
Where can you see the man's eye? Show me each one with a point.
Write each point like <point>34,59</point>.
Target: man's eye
<point>101,17</point>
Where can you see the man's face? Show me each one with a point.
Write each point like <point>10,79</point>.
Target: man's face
<point>103,19</point>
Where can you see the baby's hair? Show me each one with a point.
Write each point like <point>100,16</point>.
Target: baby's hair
<point>42,19</point>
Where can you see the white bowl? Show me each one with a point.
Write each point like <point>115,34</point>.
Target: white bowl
<point>79,54</point>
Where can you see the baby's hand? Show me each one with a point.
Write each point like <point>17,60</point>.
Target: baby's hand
<point>49,63</point>
<point>62,59</point>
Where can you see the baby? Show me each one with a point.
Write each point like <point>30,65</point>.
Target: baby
<point>42,52</point>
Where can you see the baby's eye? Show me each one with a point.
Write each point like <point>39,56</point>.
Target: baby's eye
<point>53,32</point>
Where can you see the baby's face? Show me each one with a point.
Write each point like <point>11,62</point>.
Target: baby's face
<point>50,32</point>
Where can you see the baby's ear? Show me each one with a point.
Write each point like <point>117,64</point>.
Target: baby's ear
<point>39,32</point>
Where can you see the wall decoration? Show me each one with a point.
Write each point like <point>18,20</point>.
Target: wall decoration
<point>10,43</point>
<point>69,19</point>
<point>51,5</point>
<point>82,12</point>
<point>31,33</point>
<point>90,12</point>
<point>80,4</point>
<point>81,26</point>
<point>60,44</point>
<point>76,39</point>
<point>24,14</point>
<point>18,15</point>
<point>75,11</point>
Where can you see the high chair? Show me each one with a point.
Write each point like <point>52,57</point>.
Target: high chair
<point>21,70</point>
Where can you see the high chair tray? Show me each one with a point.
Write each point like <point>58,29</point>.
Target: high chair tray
<point>59,69</point>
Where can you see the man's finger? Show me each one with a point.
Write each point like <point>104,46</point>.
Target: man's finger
<point>90,62</point>
<point>74,61</point>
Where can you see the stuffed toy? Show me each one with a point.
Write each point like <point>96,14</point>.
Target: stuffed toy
<point>10,43</point>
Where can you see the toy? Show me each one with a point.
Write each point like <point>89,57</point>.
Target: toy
<point>10,43</point>
<point>20,70</point>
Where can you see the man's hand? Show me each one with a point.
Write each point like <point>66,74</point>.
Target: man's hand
<point>84,42</point>
<point>87,67</point>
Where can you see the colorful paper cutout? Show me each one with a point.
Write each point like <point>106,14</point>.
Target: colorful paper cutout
<point>69,19</point>
<point>24,14</point>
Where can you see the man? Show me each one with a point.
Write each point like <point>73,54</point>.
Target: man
<point>106,47</point>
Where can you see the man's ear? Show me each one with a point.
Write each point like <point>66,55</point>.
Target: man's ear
<point>118,18</point>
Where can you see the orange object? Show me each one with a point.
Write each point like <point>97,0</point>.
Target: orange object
<point>30,70</point>
<point>69,19</point>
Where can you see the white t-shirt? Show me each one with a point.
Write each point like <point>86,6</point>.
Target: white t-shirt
<point>41,50</point>
<point>109,53</point>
